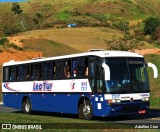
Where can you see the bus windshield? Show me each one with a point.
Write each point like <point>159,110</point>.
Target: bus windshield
<point>127,75</point>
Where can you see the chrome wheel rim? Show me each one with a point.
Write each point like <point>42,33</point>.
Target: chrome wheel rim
<point>86,110</point>
<point>27,107</point>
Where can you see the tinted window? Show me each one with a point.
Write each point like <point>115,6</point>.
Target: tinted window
<point>24,72</point>
<point>6,74</point>
<point>14,73</point>
<point>36,71</point>
<point>47,70</point>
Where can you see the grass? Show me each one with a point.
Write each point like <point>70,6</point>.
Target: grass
<point>80,39</point>
<point>59,121</point>
<point>154,83</point>
<point>101,10</point>
<point>48,47</point>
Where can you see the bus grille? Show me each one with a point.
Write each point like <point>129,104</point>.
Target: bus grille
<point>130,109</point>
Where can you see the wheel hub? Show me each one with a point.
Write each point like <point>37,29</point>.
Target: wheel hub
<point>27,107</point>
<point>86,110</point>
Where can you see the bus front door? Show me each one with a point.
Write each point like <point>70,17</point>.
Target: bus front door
<point>96,76</point>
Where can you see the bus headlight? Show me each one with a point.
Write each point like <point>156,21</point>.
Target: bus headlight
<point>114,101</point>
<point>118,100</point>
<point>145,99</point>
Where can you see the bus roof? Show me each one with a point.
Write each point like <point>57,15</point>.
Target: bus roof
<point>101,53</point>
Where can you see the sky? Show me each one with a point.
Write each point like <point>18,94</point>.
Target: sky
<point>11,0</point>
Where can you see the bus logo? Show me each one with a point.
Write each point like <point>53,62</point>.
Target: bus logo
<point>9,88</point>
<point>44,86</point>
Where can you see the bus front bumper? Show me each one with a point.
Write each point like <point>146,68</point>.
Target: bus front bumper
<point>127,109</point>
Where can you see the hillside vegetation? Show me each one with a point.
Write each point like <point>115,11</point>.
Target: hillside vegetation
<point>39,14</point>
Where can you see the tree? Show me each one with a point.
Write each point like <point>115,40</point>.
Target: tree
<point>16,8</point>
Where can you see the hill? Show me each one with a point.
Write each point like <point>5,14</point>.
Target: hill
<point>39,14</point>
<point>78,38</point>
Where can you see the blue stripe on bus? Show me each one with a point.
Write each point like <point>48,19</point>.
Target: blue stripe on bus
<point>68,103</point>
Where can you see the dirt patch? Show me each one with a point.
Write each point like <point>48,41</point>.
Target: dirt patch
<point>18,40</point>
<point>18,56</point>
<point>147,51</point>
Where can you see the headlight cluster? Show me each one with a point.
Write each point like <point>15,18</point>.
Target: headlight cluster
<point>114,101</point>
<point>145,99</point>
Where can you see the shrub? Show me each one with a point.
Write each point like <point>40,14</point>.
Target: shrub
<point>124,44</point>
<point>157,33</point>
<point>16,8</point>
<point>101,17</point>
<point>4,41</point>
<point>150,25</point>
<point>128,1</point>
<point>121,25</point>
<point>12,45</point>
<point>11,29</point>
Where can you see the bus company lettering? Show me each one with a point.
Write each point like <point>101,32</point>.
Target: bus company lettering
<point>44,86</point>
<point>83,86</point>
<point>116,96</point>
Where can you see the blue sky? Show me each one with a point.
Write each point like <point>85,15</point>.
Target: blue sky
<point>11,0</point>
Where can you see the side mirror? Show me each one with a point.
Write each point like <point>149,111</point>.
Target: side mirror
<point>106,71</point>
<point>155,70</point>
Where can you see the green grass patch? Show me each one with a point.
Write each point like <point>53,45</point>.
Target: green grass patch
<point>64,15</point>
<point>154,83</point>
<point>155,103</point>
<point>47,47</point>
<point>60,121</point>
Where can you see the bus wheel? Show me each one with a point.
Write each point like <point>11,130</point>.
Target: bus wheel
<point>85,110</point>
<point>27,106</point>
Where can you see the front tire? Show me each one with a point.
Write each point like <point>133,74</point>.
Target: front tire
<point>27,106</point>
<point>85,110</point>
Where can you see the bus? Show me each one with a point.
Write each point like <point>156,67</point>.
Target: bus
<point>95,83</point>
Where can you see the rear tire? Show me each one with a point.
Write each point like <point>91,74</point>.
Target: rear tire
<point>27,106</point>
<point>85,110</point>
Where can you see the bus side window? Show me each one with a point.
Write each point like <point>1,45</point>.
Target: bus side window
<point>6,74</point>
<point>67,69</point>
<point>54,70</point>
<point>14,73</point>
<point>36,70</point>
<point>24,72</point>
<point>47,70</point>
<point>74,66</point>
<point>60,73</point>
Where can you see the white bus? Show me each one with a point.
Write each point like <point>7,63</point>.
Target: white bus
<point>97,83</point>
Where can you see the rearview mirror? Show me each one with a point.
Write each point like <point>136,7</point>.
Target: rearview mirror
<point>155,70</point>
<point>106,71</point>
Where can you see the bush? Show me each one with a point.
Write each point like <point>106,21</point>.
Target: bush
<point>12,45</point>
<point>4,41</point>
<point>12,29</point>
<point>150,25</point>
<point>124,44</point>
<point>157,33</point>
<point>101,17</point>
<point>128,1</point>
<point>123,26</point>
